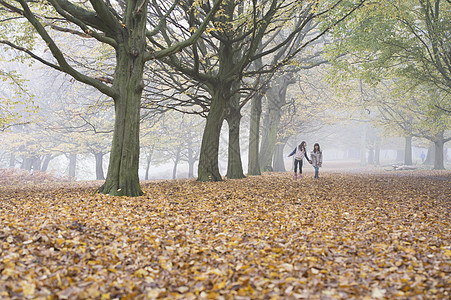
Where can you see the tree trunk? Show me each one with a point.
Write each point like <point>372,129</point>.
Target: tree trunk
<point>253,165</point>
<point>234,164</point>
<point>377,152</point>
<point>147,168</point>
<point>148,160</point>
<point>275,97</point>
<point>208,169</point>
<point>400,155</point>
<point>254,135</point>
<point>45,163</point>
<point>99,166</point>
<point>12,160</point>
<point>27,163</point>
<point>371,157</point>
<point>408,151</point>
<point>430,157</point>
<point>176,162</point>
<point>36,163</point>
<point>279,164</point>
<point>72,165</point>
<point>191,161</point>
<point>363,147</point>
<point>438,160</point>
<point>122,178</point>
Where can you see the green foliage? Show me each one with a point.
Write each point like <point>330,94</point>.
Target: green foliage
<point>408,39</point>
<point>16,103</point>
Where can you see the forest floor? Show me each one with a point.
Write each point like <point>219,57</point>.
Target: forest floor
<point>345,235</point>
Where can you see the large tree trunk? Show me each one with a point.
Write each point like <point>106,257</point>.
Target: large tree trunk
<point>438,160</point>
<point>208,169</point>
<point>99,165</point>
<point>253,165</point>
<point>221,92</point>
<point>408,151</point>
<point>254,135</point>
<point>269,139</point>
<point>279,164</point>
<point>430,157</point>
<point>72,165</point>
<point>122,177</point>
<point>233,117</point>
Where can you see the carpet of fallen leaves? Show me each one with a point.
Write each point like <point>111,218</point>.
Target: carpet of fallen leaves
<point>265,237</point>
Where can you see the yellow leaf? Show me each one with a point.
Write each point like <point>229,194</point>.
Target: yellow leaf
<point>28,288</point>
<point>141,273</point>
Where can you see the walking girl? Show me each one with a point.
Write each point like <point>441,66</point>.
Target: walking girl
<point>299,153</point>
<point>317,158</point>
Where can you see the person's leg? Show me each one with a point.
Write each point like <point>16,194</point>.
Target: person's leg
<point>295,168</point>
<point>300,168</point>
<point>316,172</point>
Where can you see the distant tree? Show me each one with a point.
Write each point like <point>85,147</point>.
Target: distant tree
<point>16,102</point>
<point>404,39</point>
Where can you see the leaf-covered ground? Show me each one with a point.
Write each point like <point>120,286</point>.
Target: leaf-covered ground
<point>267,237</point>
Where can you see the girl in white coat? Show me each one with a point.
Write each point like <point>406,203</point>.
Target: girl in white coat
<point>317,158</point>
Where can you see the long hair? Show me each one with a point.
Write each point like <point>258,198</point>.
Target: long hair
<point>302,145</point>
<point>319,149</point>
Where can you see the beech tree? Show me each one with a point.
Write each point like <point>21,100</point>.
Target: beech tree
<point>126,28</point>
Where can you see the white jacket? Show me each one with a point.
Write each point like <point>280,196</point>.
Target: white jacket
<point>317,158</point>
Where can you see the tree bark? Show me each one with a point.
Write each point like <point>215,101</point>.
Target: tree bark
<point>430,157</point>
<point>253,165</point>
<point>208,169</point>
<point>233,118</point>
<point>122,177</point>
<point>72,165</point>
<point>438,160</point>
<point>408,151</point>
<point>99,166</point>
<point>254,136</point>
